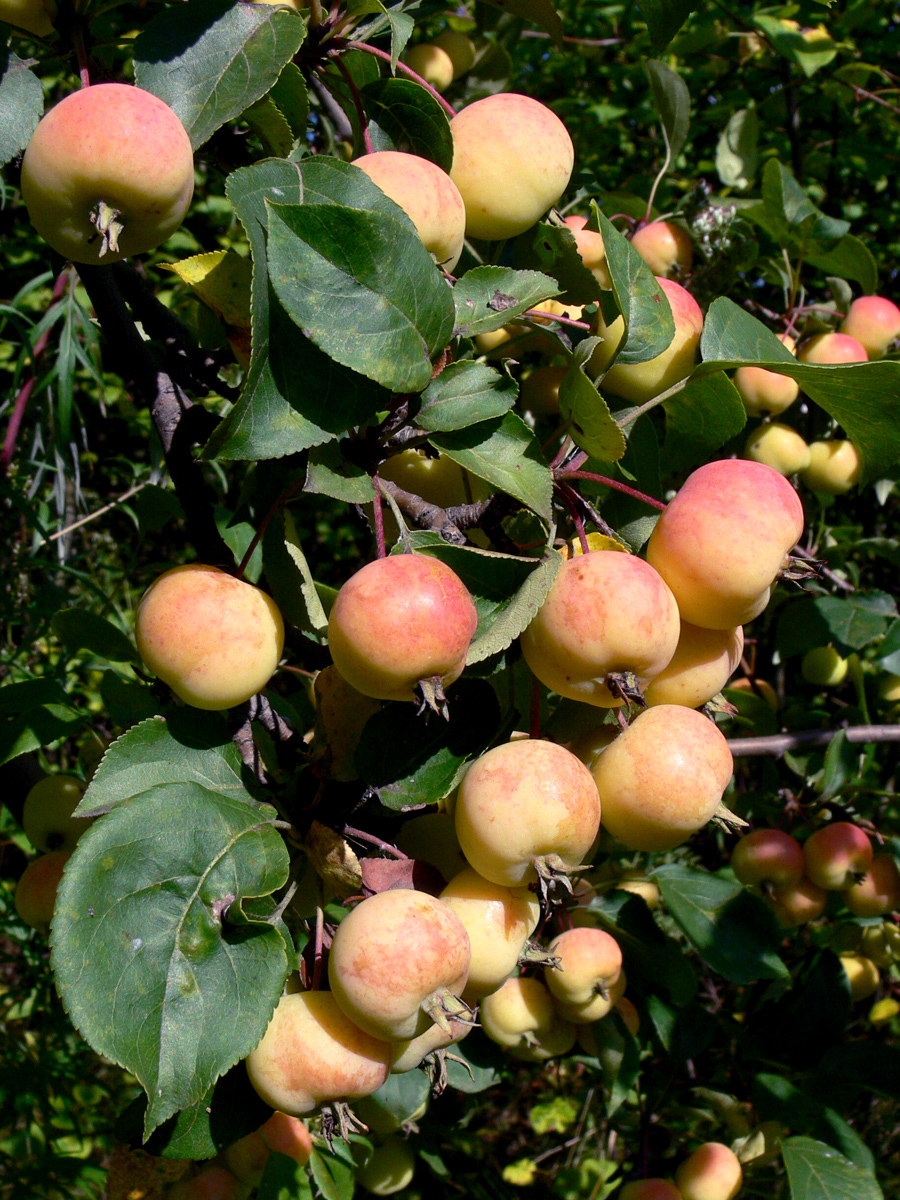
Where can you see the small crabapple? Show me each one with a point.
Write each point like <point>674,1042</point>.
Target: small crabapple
<point>837,855</point>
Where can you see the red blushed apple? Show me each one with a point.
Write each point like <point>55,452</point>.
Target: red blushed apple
<point>639,382</point>
<point>512,159</point>
<point>878,892</point>
<point>665,247</point>
<point>832,348</point>
<point>108,172</point>
<point>797,903</point>
<point>591,248</point>
<point>649,1189</point>
<point>427,195</point>
<point>35,896</point>
<point>723,539</point>
<point>837,855</point>
<point>768,856</point>
<point>875,322</point>
<point>702,664</point>
<point>764,391</point>
<point>713,1172</point>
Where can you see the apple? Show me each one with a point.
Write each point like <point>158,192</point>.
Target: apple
<point>832,348</point>
<point>435,478</point>
<point>588,970</point>
<point>210,1183</point>
<point>649,1189</point>
<point>629,1015</point>
<point>878,892</point>
<point>607,612</point>
<point>875,322</point>
<point>460,48</point>
<point>590,246</point>
<point>665,247</point>
<point>108,172</point>
<point>522,1016</point>
<point>702,664</point>
<point>763,391</point>
<point>663,778</point>
<point>313,1054</point>
<point>779,447</point>
<point>399,621</point>
<point>512,159</point>
<point>862,975</point>
<point>247,1157</point>
<point>889,687</point>
<point>824,667</point>
<point>427,195</point>
<point>47,813</point>
<point>35,895</point>
<point>834,467</point>
<point>34,16</point>
<point>409,1053</point>
<point>757,687</point>
<point>797,903</point>
<point>215,640</point>
<point>837,855</point>
<point>767,856</point>
<point>389,1168</point>
<point>640,382</point>
<point>638,883</point>
<point>712,1172</point>
<point>722,540</point>
<point>432,63</point>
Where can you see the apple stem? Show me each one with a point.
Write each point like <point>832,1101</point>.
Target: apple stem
<point>357,103</point>
<point>383,54</point>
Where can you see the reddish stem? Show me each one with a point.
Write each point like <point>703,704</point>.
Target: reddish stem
<point>383,54</point>
<point>567,494</point>
<point>611,483</point>
<point>380,547</point>
<point>254,541</point>
<point>372,840</point>
<point>540,314</point>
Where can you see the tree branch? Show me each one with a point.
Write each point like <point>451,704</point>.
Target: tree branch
<point>781,743</point>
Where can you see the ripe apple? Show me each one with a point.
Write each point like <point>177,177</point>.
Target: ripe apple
<point>247,1157</point>
<point>409,1053</point>
<point>779,447</point>
<point>863,976</point>
<point>649,1189</point>
<point>638,883</point>
<point>522,1016</point>
<point>824,667</point>
<point>312,1054</point>
<point>35,16</point>
<point>521,803</point>
<point>210,1183</point>
<point>108,172</point>
<point>47,813</point>
<point>665,247</point>
<point>590,246</point>
<point>878,892</point>
<point>395,959</point>
<point>607,612</point>
<point>35,895</point>
<point>797,903</point>
<point>764,391</point>
<point>834,467</point>
<point>215,640</point>
<point>712,1172</point>
<point>875,322</point>
<point>512,159</point>
<point>639,382</point>
<point>663,778</point>
<point>389,1168</point>
<point>832,348</point>
<point>427,195</point>
<point>398,621</point>
<point>767,856</point>
<point>702,664</point>
<point>723,539</point>
<point>590,966</point>
<point>432,62</point>
<point>837,855</point>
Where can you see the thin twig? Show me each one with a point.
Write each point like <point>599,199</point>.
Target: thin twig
<point>94,515</point>
<point>781,743</point>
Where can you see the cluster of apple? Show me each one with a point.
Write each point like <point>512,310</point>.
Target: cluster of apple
<point>829,466</point>
<point>442,61</point>
<point>712,1172</point>
<point>50,827</point>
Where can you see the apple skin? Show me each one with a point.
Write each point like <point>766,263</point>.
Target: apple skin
<point>427,195</point>
<point>606,612</point>
<point>878,892</point>
<point>798,903</point>
<point>512,159</point>
<point>763,391</point>
<point>662,779</point>
<point>640,382</point>
<point>875,322</point>
<point>703,662</point>
<point>832,348</point>
<point>590,965</point>
<point>432,62</point>
<point>398,620</point>
<point>824,667</point>
<point>863,976</point>
<point>665,247</point>
<point>649,1189</point>
<point>834,467</point>
<point>214,639</point>
<point>722,540</point>
<point>522,1016</point>
<point>35,895</point>
<point>47,813</point>
<point>836,854</point>
<point>590,246</point>
<point>34,17</point>
<point>211,1183</point>
<point>389,1168</point>
<point>460,48</point>
<point>111,142</point>
<point>779,447</point>
<point>712,1172</point>
<point>767,856</point>
<point>539,391</point>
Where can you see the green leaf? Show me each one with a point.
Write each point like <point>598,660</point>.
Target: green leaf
<point>505,453</point>
<point>402,1097</point>
<point>333,1170</point>
<point>793,46</point>
<point>39,726</point>
<point>733,931</point>
<point>211,59</point>
<point>591,424</point>
<point>889,650</point>
<point>817,1172</point>
<point>683,1033</point>
<point>21,104</point>
<point>267,121</point>
<point>412,120</point>
<point>484,1060</point>
<point>554,1116</point>
<point>653,961</point>
<point>849,259</point>
<point>649,326</point>
<point>150,946</point>
<point>799,1026</point>
<point>664,18</point>
<point>464,394</point>
<point>737,153</point>
<point>673,103</point>
<point>487,298</point>
<point>188,747</point>
<point>284,1179</point>
<point>789,215</point>
<point>867,1066</point>
<point>289,93</point>
<point>411,759</point>
<point>127,702</point>
<point>537,12</point>
<point>700,419</point>
<point>550,248</point>
<point>330,474</point>
<point>17,698</point>
<point>362,287</point>
<point>778,1099</point>
<point>79,629</point>
<point>289,575</point>
<point>851,622</point>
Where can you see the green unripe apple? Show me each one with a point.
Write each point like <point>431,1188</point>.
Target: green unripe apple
<point>389,1168</point>
<point>460,48</point>
<point>432,63</point>
<point>779,447</point>
<point>824,667</point>
<point>834,467</point>
<point>47,814</point>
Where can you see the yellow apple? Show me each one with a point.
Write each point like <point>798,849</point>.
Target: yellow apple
<point>834,467</point>
<point>779,447</point>
<point>433,63</point>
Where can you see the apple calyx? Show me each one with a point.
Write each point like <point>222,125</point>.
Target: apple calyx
<point>625,687</point>
<point>435,1067</point>
<point>337,1118</point>
<point>430,693</point>
<point>534,952</point>
<point>444,1006</point>
<point>105,220</point>
<point>727,820</point>
<point>552,873</point>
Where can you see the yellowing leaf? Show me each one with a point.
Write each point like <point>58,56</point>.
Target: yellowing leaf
<point>334,861</point>
<point>521,1173</point>
<point>595,541</point>
<point>221,280</point>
